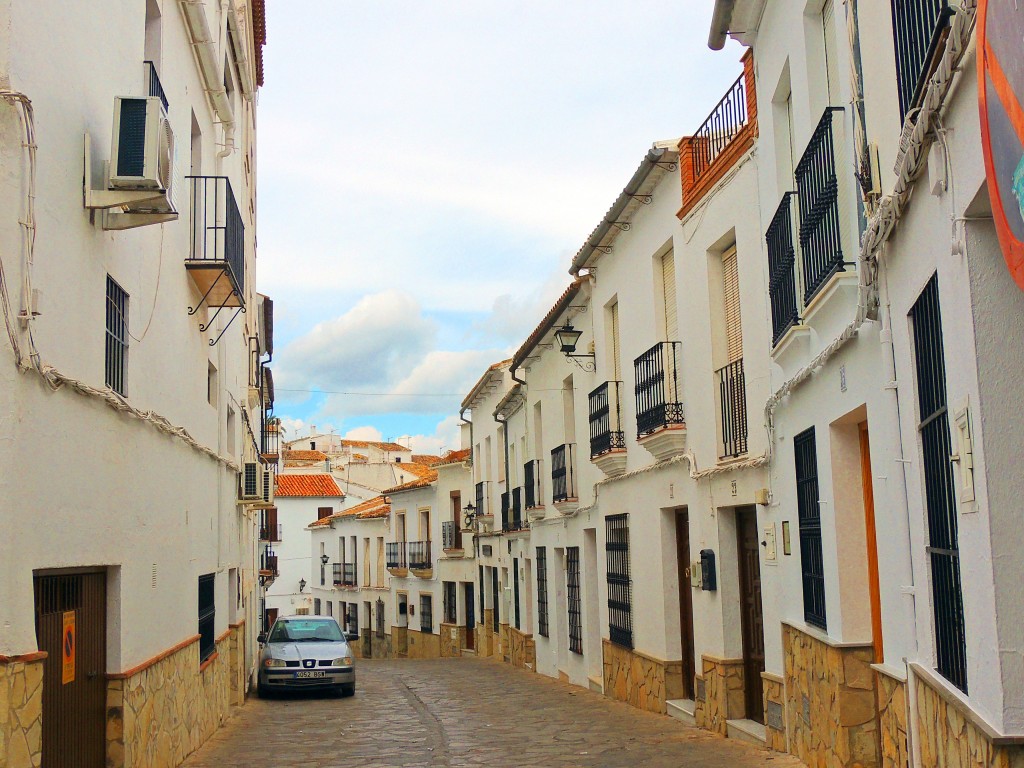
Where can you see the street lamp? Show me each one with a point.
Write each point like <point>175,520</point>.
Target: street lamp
<point>302,585</point>
<point>471,514</point>
<point>567,338</point>
<point>324,558</point>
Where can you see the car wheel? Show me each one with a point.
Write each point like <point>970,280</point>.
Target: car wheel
<point>348,689</point>
<point>261,691</point>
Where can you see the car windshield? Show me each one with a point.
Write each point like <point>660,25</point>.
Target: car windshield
<point>305,630</point>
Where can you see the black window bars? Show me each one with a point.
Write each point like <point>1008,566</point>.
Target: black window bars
<point>620,586</point>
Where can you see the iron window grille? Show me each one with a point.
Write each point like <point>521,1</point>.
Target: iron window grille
<point>720,128</point>
<point>154,86</point>
<point>116,353</point>
<point>517,509</point>
<point>470,609</point>
<point>812,565</point>
<point>481,498</point>
<point>480,570</point>
<point>345,574</point>
<point>419,555</point>
<point>505,521</point>
<point>573,593</point>
<point>495,595</point>
<point>732,403</point>
<point>940,487</point>
<point>380,617</point>
<point>450,603</point>
<point>563,473</point>
<point>448,530</point>
<point>531,484</point>
<point>426,614</point>
<point>395,554</point>
<point>606,419</point>
<point>620,586</point>
<point>207,617</point>
<point>658,402</point>
<point>817,184</point>
<point>918,27</point>
<point>782,277</point>
<point>542,591</point>
<point>515,589</point>
<point>353,618</point>
<point>316,606</point>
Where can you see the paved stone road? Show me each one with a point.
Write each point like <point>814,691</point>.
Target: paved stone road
<point>457,713</point>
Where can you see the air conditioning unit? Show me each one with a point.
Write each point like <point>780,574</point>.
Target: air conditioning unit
<point>142,152</point>
<point>249,481</point>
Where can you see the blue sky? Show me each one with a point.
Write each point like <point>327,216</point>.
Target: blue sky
<point>426,171</point>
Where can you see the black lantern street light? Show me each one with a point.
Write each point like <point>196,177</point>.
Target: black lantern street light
<point>324,559</point>
<point>567,338</point>
<point>302,585</point>
<point>471,514</point>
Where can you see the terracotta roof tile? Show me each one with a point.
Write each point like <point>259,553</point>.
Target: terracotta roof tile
<point>454,457</point>
<point>307,485</point>
<point>378,506</point>
<point>303,455</point>
<point>549,320</point>
<point>501,364</point>
<point>372,444</point>
<point>420,482</point>
<point>426,458</point>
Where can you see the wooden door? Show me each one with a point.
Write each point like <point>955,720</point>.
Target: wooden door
<point>874,592</point>
<point>71,611</point>
<point>750,611</point>
<point>685,601</point>
<point>470,617</point>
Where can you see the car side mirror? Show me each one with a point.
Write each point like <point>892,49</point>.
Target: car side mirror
<point>350,636</point>
<point>261,638</point>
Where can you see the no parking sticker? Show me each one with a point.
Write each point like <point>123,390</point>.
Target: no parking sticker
<point>68,649</point>
<point>1000,96</point>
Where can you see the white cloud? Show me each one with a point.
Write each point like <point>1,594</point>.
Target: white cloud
<point>368,433</point>
<point>445,438</point>
<point>514,316</point>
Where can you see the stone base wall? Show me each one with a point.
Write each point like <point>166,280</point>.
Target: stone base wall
<point>948,738</point>
<point>892,721</point>
<point>238,672</point>
<point>21,710</point>
<point>486,642</point>
<point>774,712</point>
<point>503,642</point>
<point>723,692</point>
<point>639,679</point>
<point>522,649</point>
<point>453,640</point>
<point>423,645</point>
<point>160,715</point>
<point>400,642</point>
<point>830,702</point>
<point>372,647</point>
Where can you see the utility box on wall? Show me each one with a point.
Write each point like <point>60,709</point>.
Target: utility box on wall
<point>707,570</point>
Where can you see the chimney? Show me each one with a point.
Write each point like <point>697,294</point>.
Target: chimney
<point>312,429</point>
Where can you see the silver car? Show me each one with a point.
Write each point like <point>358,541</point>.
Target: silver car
<point>303,652</point>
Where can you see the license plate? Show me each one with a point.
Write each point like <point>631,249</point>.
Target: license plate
<point>311,674</point>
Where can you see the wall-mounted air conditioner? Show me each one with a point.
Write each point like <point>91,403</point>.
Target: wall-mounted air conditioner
<point>249,482</point>
<point>142,152</point>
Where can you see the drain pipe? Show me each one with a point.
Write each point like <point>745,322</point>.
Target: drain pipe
<point>204,47</point>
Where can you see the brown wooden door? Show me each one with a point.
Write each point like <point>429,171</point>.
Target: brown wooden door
<point>750,611</point>
<point>874,593</point>
<point>71,611</point>
<point>685,601</point>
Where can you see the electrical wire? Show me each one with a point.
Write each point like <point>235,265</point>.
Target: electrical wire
<point>54,378</point>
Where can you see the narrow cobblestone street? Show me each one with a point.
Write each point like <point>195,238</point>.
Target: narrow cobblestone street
<point>464,713</point>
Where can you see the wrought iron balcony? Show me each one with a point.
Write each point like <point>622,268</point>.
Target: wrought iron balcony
<point>395,554</point>
<point>658,398</point>
<point>563,473</point>
<point>606,419</point>
<point>732,409</point>
<point>268,562</point>
<point>271,532</point>
<point>918,27</point>
<point>451,535</point>
<point>817,184</point>
<point>505,505</point>
<point>270,442</point>
<point>723,125</point>
<point>515,520</point>
<point>419,555</point>
<point>154,87</point>
<point>216,259</point>
<point>345,574</point>
<point>782,290</point>
<point>481,499</point>
<point>532,497</point>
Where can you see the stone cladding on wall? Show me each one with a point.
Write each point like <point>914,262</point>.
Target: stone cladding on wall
<point>639,679</point>
<point>161,714</point>
<point>523,651</point>
<point>453,640</point>
<point>373,647</point>
<point>830,702</point>
<point>892,721</point>
<point>948,738</point>
<point>423,645</point>
<point>774,712</point>
<point>21,711</point>
<point>723,692</point>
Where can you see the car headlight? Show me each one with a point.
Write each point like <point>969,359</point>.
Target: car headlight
<point>274,663</point>
<point>344,661</point>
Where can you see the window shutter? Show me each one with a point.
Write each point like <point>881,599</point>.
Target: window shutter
<point>828,24</point>
<point>731,287</point>
<point>616,357</point>
<point>668,287</point>
<point>322,512</point>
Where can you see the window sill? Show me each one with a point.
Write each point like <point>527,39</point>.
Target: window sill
<point>212,658</point>
<point>841,283</point>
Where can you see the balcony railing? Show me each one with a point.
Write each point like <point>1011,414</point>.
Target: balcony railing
<point>606,419</point>
<point>216,256</point>
<point>918,27</point>
<point>505,502</point>
<point>268,561</point>
<point>270,444</point>
<point>782,290</point>
<point>563,473</point>
<point>451,535</point>
<point>481,499</point>
<point>271,532</point>
<point>345,574</point>
<point>515,520</point>
<point>817,184</point>
<point>658,401</point>
<point>532,497</point>
<point>732,404</point>
<point>721,127</point>
<point>419,555</point>
<point>154,87</point>
<point>395,554</point>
